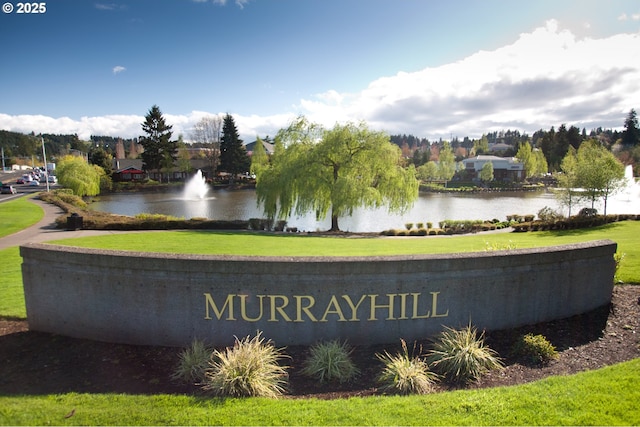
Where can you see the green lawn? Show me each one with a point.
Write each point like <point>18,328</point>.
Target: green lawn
<point>18,214</point>
<point>243,243</point>
<point>606,396</point>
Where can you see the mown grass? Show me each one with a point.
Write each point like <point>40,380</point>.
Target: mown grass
<point>18,214</point>
<point>607,396</point>
<point>246,243</point>
<point>11,292</point>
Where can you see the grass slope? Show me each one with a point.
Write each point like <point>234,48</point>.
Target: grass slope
<point>18,214</point>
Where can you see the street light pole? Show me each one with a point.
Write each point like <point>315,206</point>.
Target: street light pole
<point>44,158</point>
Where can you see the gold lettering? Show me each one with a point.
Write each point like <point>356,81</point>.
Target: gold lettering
<point>416,297</point>
<point>434,306</point>
<point>300,308</point>
<point>304,304</point>
<point>279,309</point>
<point>209,302</point>
<point>243,308</point>
<point>337,310</point>
<point>354,308</point>
<point>403,307</point>
<point>374,307</point>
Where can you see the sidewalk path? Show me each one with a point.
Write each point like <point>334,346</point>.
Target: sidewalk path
<point>46,230</point>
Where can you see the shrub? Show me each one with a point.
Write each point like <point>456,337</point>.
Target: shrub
<point>404,373</point>
<point>193,363</point>
<point>588,212</point>
<point>535,348</point>
<point>420,225</point>
<point>330,361</point>
<point>547,214</point>
<point>429,225</point>
<point>248,369</point>
<point>156,217</point>
<point>409,225</point>
<point>461,356</point>
<point>618,257</point>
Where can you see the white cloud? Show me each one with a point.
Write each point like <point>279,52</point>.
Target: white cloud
<point>545,78</point>
<point>239,3</point>
<point>625,17</point>
<point>118,69</point>
<point>130,126</point>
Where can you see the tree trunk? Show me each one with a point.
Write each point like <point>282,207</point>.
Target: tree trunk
<point>334,223</point>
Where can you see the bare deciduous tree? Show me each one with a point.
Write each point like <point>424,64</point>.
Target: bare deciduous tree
<point>206,134</point>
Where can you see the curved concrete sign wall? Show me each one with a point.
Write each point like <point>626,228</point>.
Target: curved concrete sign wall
<point>169,299</point>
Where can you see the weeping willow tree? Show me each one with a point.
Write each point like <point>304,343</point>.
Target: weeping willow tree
<point>333,172</point>
<point>76,174</point>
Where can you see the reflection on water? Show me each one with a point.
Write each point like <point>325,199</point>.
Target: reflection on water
<point>241,204</point>
<point>430,207</point>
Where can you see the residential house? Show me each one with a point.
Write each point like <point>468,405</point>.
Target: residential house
<point>506,169</point>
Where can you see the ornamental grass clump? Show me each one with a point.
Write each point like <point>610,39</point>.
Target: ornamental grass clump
<point>330,361</point>
<point>535,349</point>
<point>405,373</point>
<point>250,368</point>
<point>193,363</point>
<point>461,356</point>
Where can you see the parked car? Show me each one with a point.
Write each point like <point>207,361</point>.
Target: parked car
<point>20,181</point>
<point>34,183</point>
<point>52,179</point>
<point>8,189</point>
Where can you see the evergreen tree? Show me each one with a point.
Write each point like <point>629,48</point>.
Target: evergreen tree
<point>98,156</point>
<point>631,134</point>
<point>159,150</point>
<point>233,154</point>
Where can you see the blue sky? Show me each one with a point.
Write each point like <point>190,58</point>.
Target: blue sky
<point>426,67</point>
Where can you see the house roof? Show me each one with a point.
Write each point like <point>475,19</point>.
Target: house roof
<point>129,169</point>
<point>268,147</point>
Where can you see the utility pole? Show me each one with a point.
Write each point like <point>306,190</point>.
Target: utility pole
<point>44,159</point>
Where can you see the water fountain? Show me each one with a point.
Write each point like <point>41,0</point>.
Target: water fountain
<point>196,188</point>
<point>627,200</point>
<point>631,187</point>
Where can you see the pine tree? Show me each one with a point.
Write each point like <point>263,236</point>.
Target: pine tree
<point>159,150</point>
<point>631,134</point>
<point>233,155</point>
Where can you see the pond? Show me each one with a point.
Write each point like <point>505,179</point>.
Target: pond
<point>242,205</point>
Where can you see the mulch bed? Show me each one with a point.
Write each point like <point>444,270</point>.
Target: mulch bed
<point>36,363</point>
